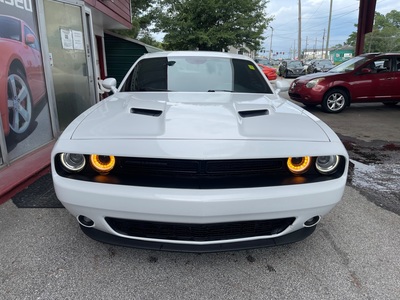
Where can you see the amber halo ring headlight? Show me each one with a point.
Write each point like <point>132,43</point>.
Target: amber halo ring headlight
<point>73,162</point>
<point>102,163</point>
<point>298,165</point>
<point>327,164</point>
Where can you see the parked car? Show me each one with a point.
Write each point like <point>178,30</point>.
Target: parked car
<point>22,83</point>
<point>291,68</point>
<point>372,77</point>
<point>195,151</point>
<point>319,65</point>
<point>269,71</point>
<point>263,61</point>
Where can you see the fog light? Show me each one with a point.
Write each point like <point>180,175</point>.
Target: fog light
<point>312,221</point>
<point>85,221</point>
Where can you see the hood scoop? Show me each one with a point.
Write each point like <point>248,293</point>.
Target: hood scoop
<point>253,113</point>
<point>146,112</point>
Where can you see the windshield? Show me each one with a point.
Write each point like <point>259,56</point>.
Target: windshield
<point>349,65</point>
<point>10,28</point>
<point>264,62</point>
<point>196,74</point>
<point>295,64</point>
<point>324,63</point>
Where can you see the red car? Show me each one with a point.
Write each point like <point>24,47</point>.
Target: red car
<point>22,82</point>
<point>270,72</point>
<point>372,77</point>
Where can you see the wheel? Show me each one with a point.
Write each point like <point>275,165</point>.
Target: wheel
<point>335,101</point>
<point>19,102</point>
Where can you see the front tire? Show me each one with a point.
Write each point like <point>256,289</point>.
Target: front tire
<point>19,102</point>
<point>335,101</point>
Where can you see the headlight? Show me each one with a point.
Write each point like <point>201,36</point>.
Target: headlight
<point>102,163</point>
<point>298,165</point>
<point>327,164</point>
<point>73,162</point>
<point>313,82</point>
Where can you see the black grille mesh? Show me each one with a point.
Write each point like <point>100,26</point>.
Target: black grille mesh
<point>199,232</point>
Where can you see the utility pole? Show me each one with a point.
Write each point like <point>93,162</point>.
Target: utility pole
<point>299,34</point>
<point>315,48</point>
<point>329,30</point>
<point>306,46</point>
<point>270,43</point>
<point>322,46</point>
<point>294,49</point>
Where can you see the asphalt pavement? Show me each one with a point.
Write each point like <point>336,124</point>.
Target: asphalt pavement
<point>353,254</point>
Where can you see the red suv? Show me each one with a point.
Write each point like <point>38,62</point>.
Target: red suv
<point>372,77</point>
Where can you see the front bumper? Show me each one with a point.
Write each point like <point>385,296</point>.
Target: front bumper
<point>100,202</point>
<point>304,95</point>
<point>121,241</point>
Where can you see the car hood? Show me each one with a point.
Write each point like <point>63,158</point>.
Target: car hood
<point>296,69</point>
<point>195,116</point>
<point>312,76</point>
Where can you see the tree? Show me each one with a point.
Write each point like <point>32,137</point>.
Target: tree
<point>211,24</point>
<point>142,18</point>
<point>385,36</point>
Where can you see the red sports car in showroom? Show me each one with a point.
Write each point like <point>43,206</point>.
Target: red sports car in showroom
<point>371,77</point>
<point>22,82</point>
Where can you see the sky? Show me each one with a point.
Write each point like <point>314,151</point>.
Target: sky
<point>315,19</point>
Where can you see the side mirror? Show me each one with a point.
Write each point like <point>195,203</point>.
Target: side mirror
<point>281,86</point>
<point>366,71</point>
<point>110,84</point>
<point>29,39</point>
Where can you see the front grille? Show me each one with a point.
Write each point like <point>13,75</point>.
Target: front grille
<point>199,167</point>
<point>199,232</point>
<point>199,174</point>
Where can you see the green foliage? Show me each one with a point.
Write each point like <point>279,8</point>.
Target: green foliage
<point>211,24</point>
<point>142,18</point>
<point>385,36</point>
<point>149,40</point>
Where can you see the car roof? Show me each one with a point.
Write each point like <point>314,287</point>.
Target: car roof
<point>378,54</point>
<point>195,53</point>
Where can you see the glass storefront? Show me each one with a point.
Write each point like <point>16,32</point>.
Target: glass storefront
<point>24,104</point>
<point>69,54</point>
<point>28,119</point>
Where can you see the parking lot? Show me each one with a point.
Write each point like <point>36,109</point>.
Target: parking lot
<point>353,254</point>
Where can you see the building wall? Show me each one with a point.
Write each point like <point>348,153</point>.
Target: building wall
<point>119,10</point>
<point>25,151</point>
<point>341,55</point>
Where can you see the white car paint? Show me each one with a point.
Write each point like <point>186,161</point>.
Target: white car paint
<point>201,126</point>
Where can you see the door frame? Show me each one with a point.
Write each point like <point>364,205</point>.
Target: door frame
<point>86,18</point>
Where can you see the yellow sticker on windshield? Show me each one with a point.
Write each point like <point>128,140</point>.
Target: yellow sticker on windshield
<point>251,67</point>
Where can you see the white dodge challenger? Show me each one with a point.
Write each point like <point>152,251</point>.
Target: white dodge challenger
<point>195,151</point>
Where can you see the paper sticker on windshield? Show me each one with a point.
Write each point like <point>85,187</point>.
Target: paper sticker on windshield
<point>251,67</point>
